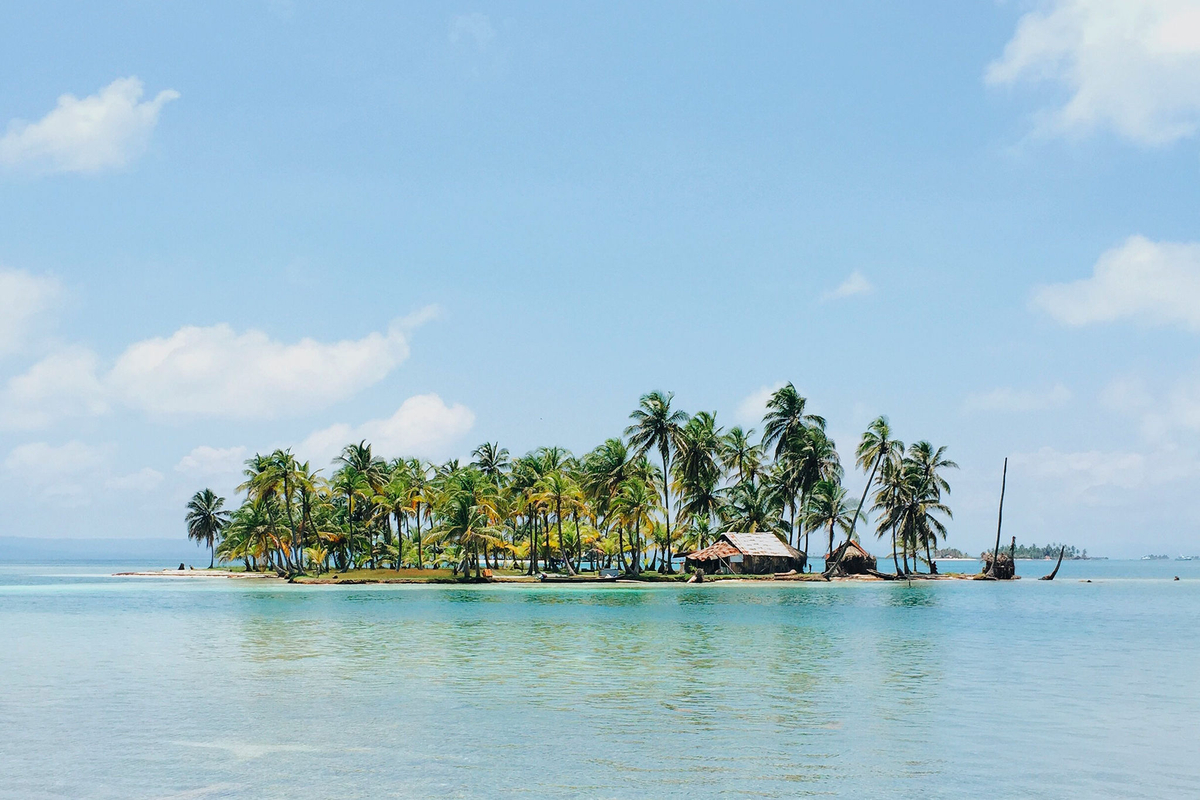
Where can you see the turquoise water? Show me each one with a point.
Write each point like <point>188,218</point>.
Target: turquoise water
<point>154,688</point>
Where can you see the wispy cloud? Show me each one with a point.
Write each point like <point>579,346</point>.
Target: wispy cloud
<point>105,130</point>
<point>471,29</point>
<point>1018,400</point>
<point>856,283</point>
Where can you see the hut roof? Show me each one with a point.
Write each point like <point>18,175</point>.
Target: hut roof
<point>761,544</point>
<point>854,549</point>
<point>747,544</point>
<point>718,549</point>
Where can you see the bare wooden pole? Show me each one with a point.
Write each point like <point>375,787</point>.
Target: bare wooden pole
<point>999,520</point>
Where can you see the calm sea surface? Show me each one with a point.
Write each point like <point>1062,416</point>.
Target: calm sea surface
<point>149,688</point>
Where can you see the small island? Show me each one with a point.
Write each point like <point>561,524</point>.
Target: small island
<point>630,509</point>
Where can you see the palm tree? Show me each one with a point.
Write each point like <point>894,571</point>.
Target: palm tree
<point>655,425</point>
<point>206,520</point>
<point>785,419</point>
<point>926,463</point>
<point>753,507</point>
<point>876,446</point>
<point>492,460</point>
<point>810,457</point>
<point>557,490</point>
<point>635,506</point>
<point>603,472</point>
<point>739,454</point>
<point>698,469</point>
<point>827,507</point>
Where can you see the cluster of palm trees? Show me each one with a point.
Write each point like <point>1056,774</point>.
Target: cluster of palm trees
<point>673,483</point>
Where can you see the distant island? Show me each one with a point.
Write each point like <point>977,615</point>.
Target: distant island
<point>1028,551</point>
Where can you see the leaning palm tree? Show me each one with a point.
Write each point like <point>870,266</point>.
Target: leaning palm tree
<point>876,446</point>
<point>656,425</point>
<point>206,520</point>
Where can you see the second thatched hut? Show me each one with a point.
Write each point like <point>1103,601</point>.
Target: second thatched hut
<point>856,561</point>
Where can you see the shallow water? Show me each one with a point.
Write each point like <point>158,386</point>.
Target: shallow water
<point>147,688</point>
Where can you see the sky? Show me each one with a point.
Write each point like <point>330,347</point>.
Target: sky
<point>231,227</point>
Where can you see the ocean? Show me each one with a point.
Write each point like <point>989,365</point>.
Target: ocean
<point>206,688</point>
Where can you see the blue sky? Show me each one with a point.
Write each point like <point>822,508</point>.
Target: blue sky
<point>272,224</point>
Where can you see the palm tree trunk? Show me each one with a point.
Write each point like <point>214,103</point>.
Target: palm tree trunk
<point>929,558</point>
<point>212,554</point>
<point>667,509</point>
<point>420,554</point>
<point>895,558</point>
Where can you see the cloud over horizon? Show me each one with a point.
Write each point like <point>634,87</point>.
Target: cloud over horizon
<point>423,426</point>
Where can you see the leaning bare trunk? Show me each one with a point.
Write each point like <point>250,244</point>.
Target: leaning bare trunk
<point>1050,577</point>
<point>999,520</point>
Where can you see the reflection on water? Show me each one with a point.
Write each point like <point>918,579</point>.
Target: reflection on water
<point>856,690</point>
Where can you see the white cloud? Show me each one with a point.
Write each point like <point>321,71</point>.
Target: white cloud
<point>855,283</point>
<point>24,301</point>
<point>1129,65</point>
<point>101,131</point>
<point>209,461</point>
<point>217,372</point>
<point>1018,400</point>
<point>750,410</point>
<point>423,426</point>
<point>1157,283</point>
<point>63,384</point>
<point>475,29</point>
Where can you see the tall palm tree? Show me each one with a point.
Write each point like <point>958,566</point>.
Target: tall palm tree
<point>786,419</point>
<point>603,472</point>
<point>698,469</point>
<point>558,491</point>
<point>206,519</point>
<point>656,425</point>
<point>928,462</point>
<point>875,447</point>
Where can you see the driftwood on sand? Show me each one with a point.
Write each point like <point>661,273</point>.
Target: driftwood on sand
<point>1050,577</point>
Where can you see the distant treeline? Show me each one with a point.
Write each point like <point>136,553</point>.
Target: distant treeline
<point>1023,551</point>
<point>1047,551</point>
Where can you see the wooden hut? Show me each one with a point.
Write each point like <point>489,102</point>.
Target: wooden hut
<point>856,561</point>
<point>748,554</point>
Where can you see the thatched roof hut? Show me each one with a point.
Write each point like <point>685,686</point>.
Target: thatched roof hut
<point>856,561</point>
<point>747,553</point>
